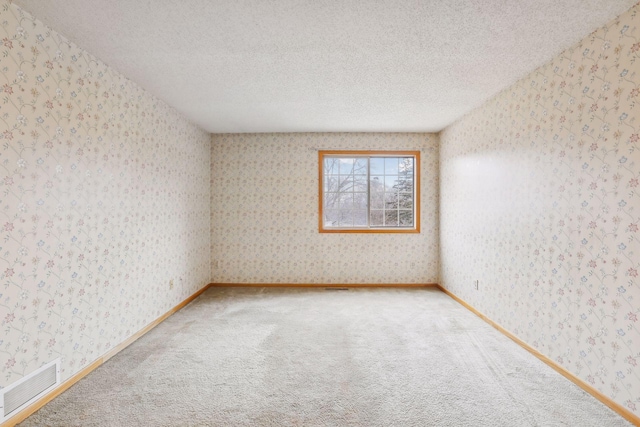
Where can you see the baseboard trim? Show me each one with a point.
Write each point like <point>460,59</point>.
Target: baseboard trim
<point>327,285</point>
<point>621,410</point>
<point>152,325</point>
<point>29,410</point>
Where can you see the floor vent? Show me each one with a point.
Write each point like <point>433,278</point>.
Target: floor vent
<point>29,389</point>
<point>336,289</point>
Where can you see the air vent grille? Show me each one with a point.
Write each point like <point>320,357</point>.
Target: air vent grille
<point>29,388</point>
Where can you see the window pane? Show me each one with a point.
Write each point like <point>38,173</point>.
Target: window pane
<point>360,183</point>
<point>405,201</point>
<point>346,166</point>
<point>346,219</point>
<point>405,185</point>
<point>377,181</point>
<point>330,166</point>
<point>376,197</point>
<point>391,218</point>
<point>360,218</point>
<point>376,165</point>
<point>390,200</point>
<point>331,200</point>
<point>360,201</point>
<point>346,201</point>
<point>390,182</point>
<point>406,166</point>
<point>331,183</point>
<point>406,218</point>
<point>360,167</point>
<point>377,203</point>
<point>377,218</point>
<point>330,218</point>
<point>391,166</point>
<point>346,183</point>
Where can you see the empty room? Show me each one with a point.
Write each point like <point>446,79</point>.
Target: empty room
<point>319,213</point>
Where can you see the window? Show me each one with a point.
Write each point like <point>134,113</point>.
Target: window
<point>369,192</point>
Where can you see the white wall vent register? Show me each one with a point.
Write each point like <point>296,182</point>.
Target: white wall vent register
<point>29,389</point>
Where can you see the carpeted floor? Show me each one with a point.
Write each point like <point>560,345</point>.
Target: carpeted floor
<point>316,357</point>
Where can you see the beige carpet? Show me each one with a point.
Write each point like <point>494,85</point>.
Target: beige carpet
<point>315,357</point>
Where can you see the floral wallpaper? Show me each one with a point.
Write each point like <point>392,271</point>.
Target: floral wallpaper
<point>104,202</point>
<point>540,202</point>
<point>264,210</point>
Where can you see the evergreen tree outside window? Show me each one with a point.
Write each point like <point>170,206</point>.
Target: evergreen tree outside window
<point>369,191</point>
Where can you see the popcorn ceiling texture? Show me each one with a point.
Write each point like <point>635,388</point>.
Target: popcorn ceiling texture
<point>324,65</point>
<point>104,199</point>
<point>264,214</point>
<point>540,200</point>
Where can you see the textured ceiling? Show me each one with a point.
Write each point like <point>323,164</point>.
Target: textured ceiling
<point>324,65</point>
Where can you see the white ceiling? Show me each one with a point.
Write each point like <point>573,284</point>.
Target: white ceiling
<point>325,65</point>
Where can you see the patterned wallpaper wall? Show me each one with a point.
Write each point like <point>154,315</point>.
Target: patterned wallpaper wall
<point>540,201</point>
<point>104,198</point>
<point>265,214</point>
